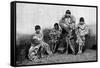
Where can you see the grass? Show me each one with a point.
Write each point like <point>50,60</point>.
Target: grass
<point>23,44</point>
<point>88,55</point>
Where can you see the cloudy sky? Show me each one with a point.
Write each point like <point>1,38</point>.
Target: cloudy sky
<point>29,15</point>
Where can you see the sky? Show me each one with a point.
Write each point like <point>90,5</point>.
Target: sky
<point>29,15</point>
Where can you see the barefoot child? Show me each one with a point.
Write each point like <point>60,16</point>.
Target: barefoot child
<point>38,44</point>
<point>82,31</point>
<point>55,35</point>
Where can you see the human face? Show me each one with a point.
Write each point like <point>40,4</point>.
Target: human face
<point>81,23</point>
<point>56,27</point>
<point>37,31</point>
<point>68,15</point>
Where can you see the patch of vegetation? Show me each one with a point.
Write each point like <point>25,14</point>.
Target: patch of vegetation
<point>25,42</point>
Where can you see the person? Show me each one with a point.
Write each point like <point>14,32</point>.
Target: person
<point>33,54</point>
<point>67,23</point>
<point>81,32</point>
<point>55,35</point>
<point>38,45</point>
<point>37,33</point>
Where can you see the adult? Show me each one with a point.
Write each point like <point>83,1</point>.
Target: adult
<point>67,23</point>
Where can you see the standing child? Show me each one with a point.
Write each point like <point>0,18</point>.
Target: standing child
<point>82,31</point>
<point>37,43</point>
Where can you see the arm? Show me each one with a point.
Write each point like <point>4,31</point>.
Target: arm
<point>41,38</point>
<point>62,20</point>
<point>73,19</point>
<point>51,34</point>
<point>86,30</point>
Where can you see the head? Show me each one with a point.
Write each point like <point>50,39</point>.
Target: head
<point>68,13</point>
<point>81,20</point>
<point>56,26</point>
<point>35,40</point>
<point>37,29</point>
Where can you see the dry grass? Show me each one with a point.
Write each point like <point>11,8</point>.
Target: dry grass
<point>88,55</point>
<point>24,44</point>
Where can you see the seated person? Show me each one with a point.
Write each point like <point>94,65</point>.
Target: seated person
<point>37,43</point>
<point>71,40</point>
<point>67,21</point>
<point>55,35</point>
<point>33,54</point>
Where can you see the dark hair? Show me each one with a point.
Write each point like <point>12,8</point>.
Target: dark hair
<point>68,12</point>
<point>56,24</point>
<point>37,27</point>
<point>81,19</point>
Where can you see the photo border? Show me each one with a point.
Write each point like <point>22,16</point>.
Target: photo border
<point>13,32</point>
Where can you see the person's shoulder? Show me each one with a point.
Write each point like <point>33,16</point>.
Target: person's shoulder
<point>78,25</point>
<point>41,33</point>
<point>63,17</point>
<point>52,30</point>
<point>86,26</point>
<point>34,34</point>
<point>60,28</point>
<point>73,17</point>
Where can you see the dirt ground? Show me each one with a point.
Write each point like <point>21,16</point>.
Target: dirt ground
<point>88,55</point>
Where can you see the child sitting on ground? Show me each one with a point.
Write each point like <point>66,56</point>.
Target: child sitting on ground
<point>55,35</point>
<point>38,44</point>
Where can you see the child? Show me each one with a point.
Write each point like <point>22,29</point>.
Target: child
<point>82,31</point>
<point>37,43</point>
<point>55,32</point>
<point>55,35</point>
<point>38,34</point>
<point>34,49</point>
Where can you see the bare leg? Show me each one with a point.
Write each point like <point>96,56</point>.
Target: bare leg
<point>71,46</point>
<point>67,44</point>
<point>47,48</point>
<point>79,49</point>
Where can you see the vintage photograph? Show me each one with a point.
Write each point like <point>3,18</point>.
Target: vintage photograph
<point>51,34</point>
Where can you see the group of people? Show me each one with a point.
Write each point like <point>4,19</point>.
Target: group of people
<point>66,30</point>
